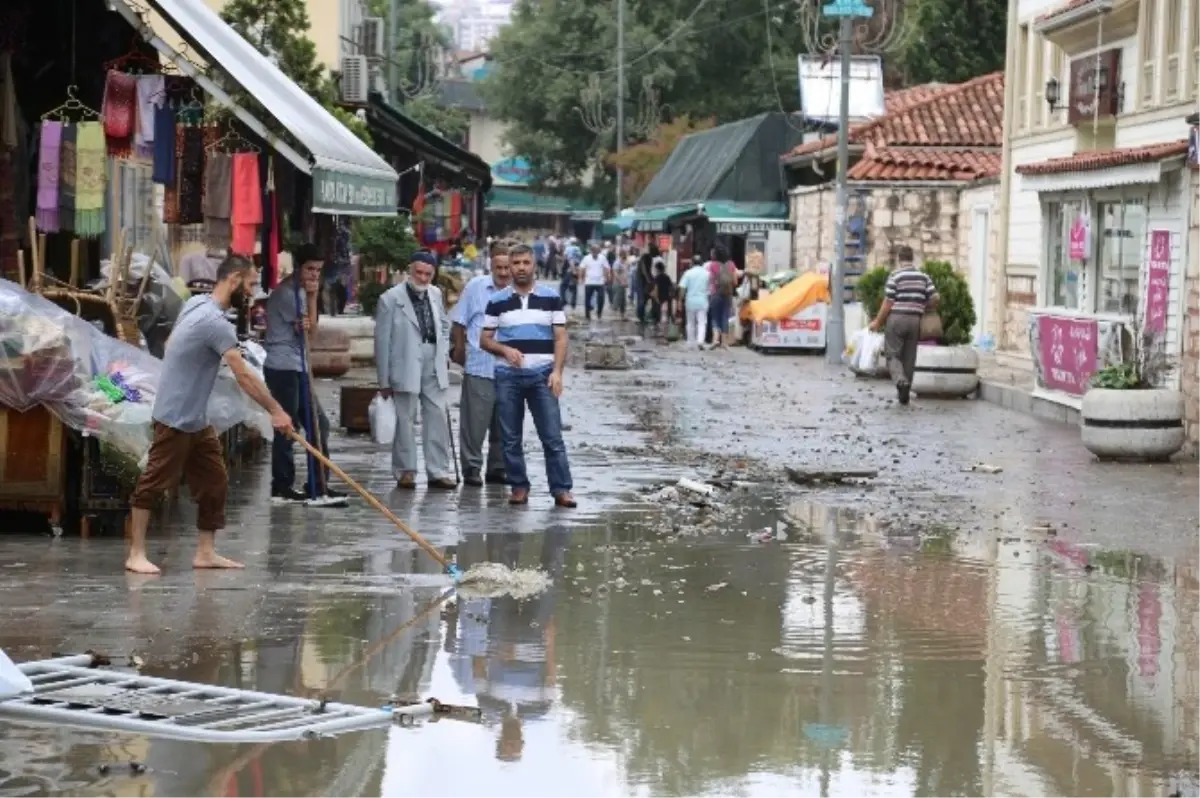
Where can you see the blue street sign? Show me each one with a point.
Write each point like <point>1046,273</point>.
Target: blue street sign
<point>847,8</point>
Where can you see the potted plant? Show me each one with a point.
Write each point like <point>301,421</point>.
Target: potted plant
<point>948,368</point>
<point>1126,415</point>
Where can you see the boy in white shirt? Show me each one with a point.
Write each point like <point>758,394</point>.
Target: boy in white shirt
<point>595,274</point>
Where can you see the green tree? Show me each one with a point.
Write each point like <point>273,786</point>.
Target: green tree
<point>278,29</point>
<point>953,40</point>
<point>641,162</point>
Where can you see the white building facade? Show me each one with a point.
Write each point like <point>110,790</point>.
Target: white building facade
<point>1097,201</point>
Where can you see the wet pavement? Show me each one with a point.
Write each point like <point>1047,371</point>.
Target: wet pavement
<point>933,632</point>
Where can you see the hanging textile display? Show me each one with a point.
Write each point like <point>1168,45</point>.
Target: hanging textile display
<point>164,145</point>
<point>247,203</point>
<point>49,145</point>
<point>89,180</point>
<point>269,245</point>
<point>218,201</point>
<point>66,179</point>
<point>150,93</point>
<point>191,177</point>
<point>119,112</point>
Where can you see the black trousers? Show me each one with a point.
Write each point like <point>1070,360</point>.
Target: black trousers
<point>286,386</point>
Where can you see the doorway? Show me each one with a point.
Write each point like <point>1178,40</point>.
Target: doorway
<point>980,241</point>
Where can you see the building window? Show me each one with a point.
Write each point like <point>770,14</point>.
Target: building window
<point>1148,38</point>
<point>1122,245</point>
<point>1066,276</point>
<point>1173,34</point>
<point>1037,69</point>
<point>1022,77</point>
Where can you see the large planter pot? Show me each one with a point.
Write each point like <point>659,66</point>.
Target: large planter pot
<point>946,372</point>
<point>330,355</point>
<point>361,330</point>
<point>1132,425</point>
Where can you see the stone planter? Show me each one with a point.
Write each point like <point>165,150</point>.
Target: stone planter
<point>330,355</point>
<point>946,372</point>
<point>361,331</point>
<point>1132,425</point>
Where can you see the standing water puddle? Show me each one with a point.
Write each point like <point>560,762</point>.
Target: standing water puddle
<point>837,658</point>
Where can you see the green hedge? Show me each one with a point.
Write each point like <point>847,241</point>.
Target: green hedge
<point>957,309</point>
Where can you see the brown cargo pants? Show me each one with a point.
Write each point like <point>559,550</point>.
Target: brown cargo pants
<point>194,456</point>
<point>901,334</point>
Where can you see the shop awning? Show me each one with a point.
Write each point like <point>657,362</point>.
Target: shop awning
<point>652,220</point>
<point>739,218</point>
<point>503,199</point>
<point>443,159</point>
<point>348,176</point>
<point>1097,169</point>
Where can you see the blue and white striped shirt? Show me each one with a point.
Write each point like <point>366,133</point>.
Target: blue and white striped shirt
<point>469,313</point>
<point>526,322</point>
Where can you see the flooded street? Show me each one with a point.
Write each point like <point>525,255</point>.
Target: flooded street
<point>914,637</point>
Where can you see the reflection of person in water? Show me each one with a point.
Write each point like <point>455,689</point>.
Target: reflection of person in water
<point>504,648</point>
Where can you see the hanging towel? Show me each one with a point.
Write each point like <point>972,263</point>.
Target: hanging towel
<point>191,177</point>
<point>8,104</point>
<point>150,94</point>
<point>269,246</point>
<point>66,179</point>
<point>171,189</point>
<point>49,152</point>
<point>218,201</point>
<point>119,112</point>
<point>247,203</point>
<point>89,180</point>
<point>164,145</point>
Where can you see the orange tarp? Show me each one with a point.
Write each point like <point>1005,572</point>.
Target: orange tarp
<point>807,289</point>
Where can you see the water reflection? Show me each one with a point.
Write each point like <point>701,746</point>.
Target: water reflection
<point>852,658</point>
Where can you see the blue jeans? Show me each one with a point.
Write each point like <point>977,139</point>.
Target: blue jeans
<point>514,390</point>
<point>719,308</point>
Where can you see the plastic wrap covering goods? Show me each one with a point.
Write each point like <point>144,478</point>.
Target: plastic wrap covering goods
<point>93,382</point>
<point>807,289</point>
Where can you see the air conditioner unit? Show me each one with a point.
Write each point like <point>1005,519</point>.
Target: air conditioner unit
<point>356,76</point>
<point>370,39</point>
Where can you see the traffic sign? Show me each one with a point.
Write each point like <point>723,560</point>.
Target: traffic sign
<point>847,8</point>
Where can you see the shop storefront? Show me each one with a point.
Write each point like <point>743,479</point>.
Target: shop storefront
<point>1114,250</point>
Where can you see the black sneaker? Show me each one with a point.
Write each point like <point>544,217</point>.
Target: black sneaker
<point>902,389</point>
<point>473,479</point>
<point>497,478</point>
<point>334,494</point>
<point>288,496</point>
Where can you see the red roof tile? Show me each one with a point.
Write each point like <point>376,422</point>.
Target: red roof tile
<point>926,163</point>
<point>967,114</point>
<point>900,99</point>
<point>1105,159</point>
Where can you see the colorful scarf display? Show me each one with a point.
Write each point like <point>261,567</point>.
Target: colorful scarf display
<point>66,179</point>
<point>89,180</point>
<point>164,145</point>
<point>218,201</point>
<point>191,177</point>
<point>247,203</point>
<point>119,112</point>
<point>49,153</point>
<point>150,94</point>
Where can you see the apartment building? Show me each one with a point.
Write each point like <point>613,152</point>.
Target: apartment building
<point>1097,205</point>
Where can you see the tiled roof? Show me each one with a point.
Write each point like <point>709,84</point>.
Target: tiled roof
<point>926,163</point>
<point>967,114</point>
<point>900,99</point>
<point>1105,159</point>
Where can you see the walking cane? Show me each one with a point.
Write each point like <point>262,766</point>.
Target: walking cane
<point>453,450</point>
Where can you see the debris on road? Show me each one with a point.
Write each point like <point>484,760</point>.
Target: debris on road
<point>983,468</point>
<point>811,476</point>
<point>696,487</point>
<point>605,357</point>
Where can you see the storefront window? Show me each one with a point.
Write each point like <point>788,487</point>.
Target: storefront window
<point>1066,274</point>
<point>1122,241</point>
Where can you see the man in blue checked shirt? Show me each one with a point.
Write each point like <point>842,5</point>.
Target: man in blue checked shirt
<point>525,327</point>
<point>478,417</point>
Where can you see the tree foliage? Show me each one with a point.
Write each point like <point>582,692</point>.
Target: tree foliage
<point>954,40</point>
<point>641,162</point>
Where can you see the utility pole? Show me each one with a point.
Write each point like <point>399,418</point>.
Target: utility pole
<point>835,327</point>
<point>620,94</point>
<point>393,67</point>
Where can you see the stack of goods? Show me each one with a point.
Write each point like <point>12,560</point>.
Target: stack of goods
<point>36,364</point>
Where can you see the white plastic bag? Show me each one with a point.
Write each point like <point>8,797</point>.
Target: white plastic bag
<point>13,683</point>
<point>383,420</point>
<point>862,353</point>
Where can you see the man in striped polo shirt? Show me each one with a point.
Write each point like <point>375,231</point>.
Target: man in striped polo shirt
<point>908,294</point>
<point>525,327</point>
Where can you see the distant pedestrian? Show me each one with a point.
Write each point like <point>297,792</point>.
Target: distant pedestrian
<point>595,274</point>
<point>479,417</point>
<point>694,285</point>
<point>412,349</point>
<point>525,327</point>
<point>619,288</point>
<point>184,444</point>
<point>645,278</point>
<point>662,302</point>
<point>908,294</point>
<point>722,285</point>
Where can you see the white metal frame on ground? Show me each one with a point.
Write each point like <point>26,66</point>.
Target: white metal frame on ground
<point>73,691</point>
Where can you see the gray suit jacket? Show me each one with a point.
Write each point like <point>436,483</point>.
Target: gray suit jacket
<point>398,341</point>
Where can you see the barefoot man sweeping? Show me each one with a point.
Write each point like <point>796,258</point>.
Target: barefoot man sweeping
<point>184,444</point>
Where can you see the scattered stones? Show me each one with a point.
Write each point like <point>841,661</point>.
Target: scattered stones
<point>606,356</point>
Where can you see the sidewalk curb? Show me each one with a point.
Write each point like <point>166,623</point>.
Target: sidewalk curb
<point>1015,398</point>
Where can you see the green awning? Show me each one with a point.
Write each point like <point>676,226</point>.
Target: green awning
<point>739,218</point>
<point>505,199</point>
<point>652,220</point>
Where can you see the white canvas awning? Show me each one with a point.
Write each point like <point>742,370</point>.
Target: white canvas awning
<point>348,176</point>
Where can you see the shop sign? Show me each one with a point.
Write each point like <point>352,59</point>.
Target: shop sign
<point>1067,350</point>
<point>847,8</point>
<point>742,228</point>
<point>513,171</point>
<point>1094,87</point>
<point>340,192</point>
<point>1080,238</point>
<point>1158,281</point>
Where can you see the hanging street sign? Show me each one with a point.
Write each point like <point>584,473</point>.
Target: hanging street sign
<point>847,8</point>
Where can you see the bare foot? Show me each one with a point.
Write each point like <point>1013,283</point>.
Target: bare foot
<point>138,564</point>
<point>214,561</point>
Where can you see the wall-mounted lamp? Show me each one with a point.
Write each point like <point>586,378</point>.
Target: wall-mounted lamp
<point>1054,96</point>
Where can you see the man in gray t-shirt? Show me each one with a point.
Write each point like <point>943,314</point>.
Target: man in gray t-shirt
<point>184,443</point>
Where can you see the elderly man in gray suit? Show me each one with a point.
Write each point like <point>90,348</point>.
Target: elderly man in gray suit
<point>412,351</point>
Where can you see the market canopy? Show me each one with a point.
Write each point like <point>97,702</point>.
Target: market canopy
<point>505,199</point>
<point>650,220</point>
<point>348,176</point>
<point>739,218</point>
